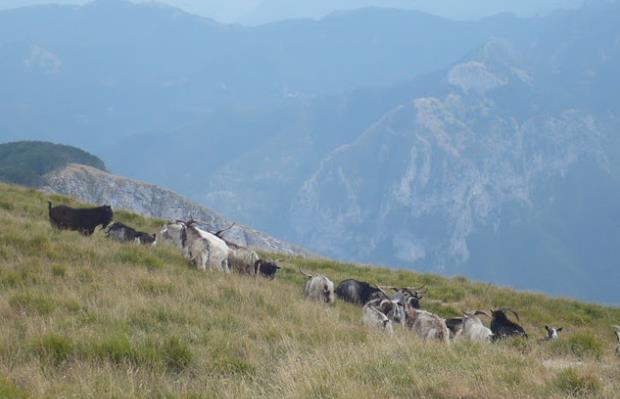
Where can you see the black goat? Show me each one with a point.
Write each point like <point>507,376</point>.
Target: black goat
<point>121,232</point>
<point>84,220</point>
<point>359,292</point>
<point>503,327</point>
<point>266,269</point>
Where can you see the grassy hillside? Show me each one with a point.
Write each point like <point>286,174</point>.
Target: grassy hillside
<point>84,317</point>
<point>24,162</point>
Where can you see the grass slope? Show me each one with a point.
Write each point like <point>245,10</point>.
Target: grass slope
<point>84,317</point>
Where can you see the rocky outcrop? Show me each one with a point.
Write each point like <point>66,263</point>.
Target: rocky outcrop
<point>95,186</point>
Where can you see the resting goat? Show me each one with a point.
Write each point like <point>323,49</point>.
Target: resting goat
<point>123,233</point>
<point>84,220</point>
<point>359,292</point>
<point>503,327</point>
<point>374,314</point>
<point>552,333</point>
<point>426,325</point>
<point>473,329</point>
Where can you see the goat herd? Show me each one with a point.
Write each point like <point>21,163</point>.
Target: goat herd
<point>210,251</point>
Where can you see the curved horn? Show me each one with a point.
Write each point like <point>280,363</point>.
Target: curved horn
<point>480,312</point>
<point>305,274</point>
<point>218,234</point>
<point>511,311</point>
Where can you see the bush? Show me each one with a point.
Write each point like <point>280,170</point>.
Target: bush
<point>570,382</point>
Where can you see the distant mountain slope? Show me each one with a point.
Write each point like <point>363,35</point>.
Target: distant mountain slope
<point>273,10</point>
<point>95,186</point>
<point>160,68</point>
<point>25,162</point>
<point>508,171</point>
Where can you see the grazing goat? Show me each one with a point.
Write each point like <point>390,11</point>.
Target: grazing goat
<point>266,269</point>
<point>205,250</point>
<point>426,325</point>
<point>241,259</point>
<point>174,232</point>
<point>84,220</point>
<point>318,288</point>
<point>374,314</point>
<point>503,327</point>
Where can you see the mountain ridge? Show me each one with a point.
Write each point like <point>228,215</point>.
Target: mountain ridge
<point>91,185</point>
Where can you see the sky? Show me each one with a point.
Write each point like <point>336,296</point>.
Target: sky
<point>260,11</point>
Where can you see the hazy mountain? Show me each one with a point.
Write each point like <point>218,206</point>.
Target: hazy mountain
<point>481,148</point>
<point>133,69</point>
<point>275,10</point>
<point>509,172</point>
<point>264,11</point>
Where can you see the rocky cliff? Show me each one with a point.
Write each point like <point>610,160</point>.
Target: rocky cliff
<point>92,185</point>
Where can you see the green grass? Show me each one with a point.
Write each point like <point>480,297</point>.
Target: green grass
<point>85,317</point>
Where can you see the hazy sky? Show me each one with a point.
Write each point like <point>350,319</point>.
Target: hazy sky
<point>266,10</point>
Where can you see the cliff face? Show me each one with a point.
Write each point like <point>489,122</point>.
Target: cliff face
<point>92,185</point>
<point>499,176</point>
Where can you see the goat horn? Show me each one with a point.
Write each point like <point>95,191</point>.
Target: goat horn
<point>226,229</point>
<point>480,312</point>
<point>512,311</point>
<point>305,274</point>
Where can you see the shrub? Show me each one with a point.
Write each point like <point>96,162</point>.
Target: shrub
<point>570,382</point>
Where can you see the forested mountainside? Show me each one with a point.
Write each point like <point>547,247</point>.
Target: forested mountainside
<point>26,162</point>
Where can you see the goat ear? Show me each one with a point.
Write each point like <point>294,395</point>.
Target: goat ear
<point>559,329</point>
<point>547,327</point>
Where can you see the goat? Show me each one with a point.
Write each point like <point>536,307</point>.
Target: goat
<point>374,314</point>
<point>426,325</point>
<point>84,220</point>
<point>503,327</point>
<point>318,288</point>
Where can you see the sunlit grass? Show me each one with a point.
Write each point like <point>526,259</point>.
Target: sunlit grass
<point>86,317</point>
